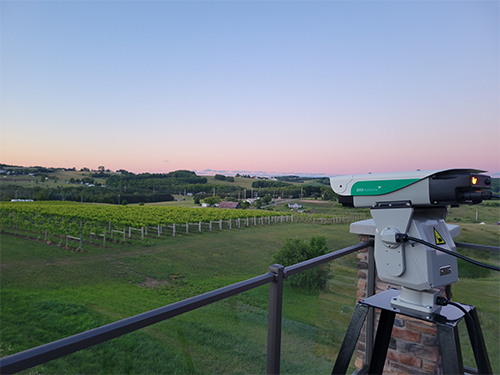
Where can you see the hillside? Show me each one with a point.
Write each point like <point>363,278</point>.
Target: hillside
<point>104,186</point>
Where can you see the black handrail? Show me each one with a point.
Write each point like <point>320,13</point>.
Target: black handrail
<point>463,245</point>
<point>44,353</point>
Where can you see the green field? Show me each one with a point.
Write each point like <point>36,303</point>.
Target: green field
<point>246,183</point>
<point>55,179</point>
<point>104,285</point>
<point>49,293</point>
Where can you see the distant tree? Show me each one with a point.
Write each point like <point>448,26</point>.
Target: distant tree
<point>327,193</point>
<point>296,250</point>
<point>196,199</point>
<point>258,203</point>
<point>212,200</point>
<point>101,168</point>
<point>267,199</point>
<point>42,195</point>
<point>224,178</point>
<point>244,204</point>
<point>87,180</point>
<point>268,184</point>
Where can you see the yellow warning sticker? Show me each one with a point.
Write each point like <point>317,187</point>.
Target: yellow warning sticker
<point>439,239</point>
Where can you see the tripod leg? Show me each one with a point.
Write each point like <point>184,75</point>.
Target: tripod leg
<point>477,342</point>
<point>449,349</point>
<point>350,339</point>
<point>382,340</point>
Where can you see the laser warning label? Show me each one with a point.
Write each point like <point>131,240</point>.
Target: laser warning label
<point>438,238</point>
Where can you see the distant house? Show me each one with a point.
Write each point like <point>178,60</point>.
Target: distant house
<point>294,206</point>
<point>233,205</point>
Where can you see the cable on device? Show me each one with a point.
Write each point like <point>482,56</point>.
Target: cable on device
<point>443,301</point>
<point>400,237</point>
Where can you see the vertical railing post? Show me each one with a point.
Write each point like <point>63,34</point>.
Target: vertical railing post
<point>274,319</point>
<point>370,318</point>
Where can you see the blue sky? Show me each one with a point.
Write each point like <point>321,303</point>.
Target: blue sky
<point>283,87</point>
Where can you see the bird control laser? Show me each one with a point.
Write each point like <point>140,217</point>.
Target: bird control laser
<point>413,205</point>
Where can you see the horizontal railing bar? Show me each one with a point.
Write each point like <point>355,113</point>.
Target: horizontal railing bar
<point>474,246</point>
<point>44,353</point>
<point>470,370</point>
<point>302,266</point>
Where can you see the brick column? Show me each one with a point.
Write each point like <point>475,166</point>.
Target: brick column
<point>414,345</point>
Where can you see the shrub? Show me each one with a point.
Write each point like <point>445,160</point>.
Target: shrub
<point>296,250</point>
<point>212,200</point>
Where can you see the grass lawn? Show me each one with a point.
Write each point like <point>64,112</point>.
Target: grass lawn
<point>487,212</point>
<point>49,293</point>
<point>484,294</point>
<point>245,183</point>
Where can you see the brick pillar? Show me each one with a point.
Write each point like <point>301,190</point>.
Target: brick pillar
<point>413,348</point>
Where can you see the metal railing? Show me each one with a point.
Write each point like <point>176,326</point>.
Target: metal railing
<point>275,277</point>
<point>277,273</point>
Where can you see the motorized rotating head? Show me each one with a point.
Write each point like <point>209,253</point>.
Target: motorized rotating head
<point>414,205</point>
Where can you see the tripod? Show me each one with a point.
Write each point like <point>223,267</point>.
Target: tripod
<point>446,319</point>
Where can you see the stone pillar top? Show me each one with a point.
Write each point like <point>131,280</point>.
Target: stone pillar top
<point>366,227</point>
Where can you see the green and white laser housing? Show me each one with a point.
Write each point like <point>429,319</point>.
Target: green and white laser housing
<point>413,203</point>
<point>422,188</point>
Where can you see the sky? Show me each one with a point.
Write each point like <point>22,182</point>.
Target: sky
<point>317,88</point>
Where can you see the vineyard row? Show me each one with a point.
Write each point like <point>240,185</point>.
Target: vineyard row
<point>71,231</point>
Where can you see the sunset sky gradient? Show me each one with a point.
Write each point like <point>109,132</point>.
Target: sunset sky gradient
<point>257,87</point>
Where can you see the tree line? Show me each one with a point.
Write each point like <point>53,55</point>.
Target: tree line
<point>155,180</point>
<point>156,187</point>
